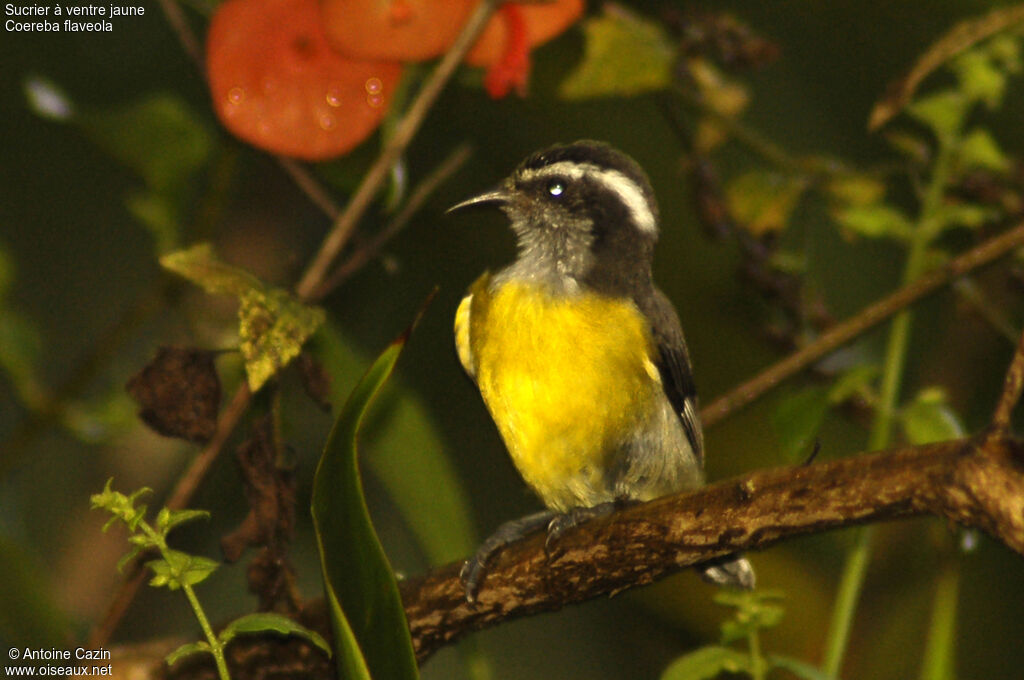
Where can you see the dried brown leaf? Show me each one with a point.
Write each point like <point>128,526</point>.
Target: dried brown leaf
<point>178,393</point>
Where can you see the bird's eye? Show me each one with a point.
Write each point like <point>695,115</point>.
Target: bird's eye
<point>556,187</point>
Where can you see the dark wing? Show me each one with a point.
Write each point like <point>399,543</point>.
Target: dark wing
<point>673,363</point>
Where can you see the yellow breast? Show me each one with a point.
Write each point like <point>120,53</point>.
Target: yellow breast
<point>566,378</point>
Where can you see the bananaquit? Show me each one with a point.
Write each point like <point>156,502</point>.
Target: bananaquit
<point>579,357</point>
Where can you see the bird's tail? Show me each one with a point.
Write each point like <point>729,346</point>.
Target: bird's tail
<point>732,570</point>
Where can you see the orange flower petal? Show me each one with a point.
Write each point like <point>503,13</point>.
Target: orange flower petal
<point>276,83</point>
<point>401,30</point>
<point>543,22</point>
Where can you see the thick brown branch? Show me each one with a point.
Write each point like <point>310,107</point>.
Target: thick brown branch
<point>977,482</point>
<point>974,482</point>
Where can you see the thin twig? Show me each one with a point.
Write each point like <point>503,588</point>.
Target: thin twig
<point>189,42</point>
<point>307,183</point>
<point>971,295</point>
<point>404,132</point>
<point>842,333</point>
<point>1012,388</point>
<point>417,197</point>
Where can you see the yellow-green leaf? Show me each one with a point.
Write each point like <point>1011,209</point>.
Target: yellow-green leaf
<point>271,622</point>
<point>979,149</point>
<point>930,418</point>
<point>707,663</point>
<point>624,55</point>
<point>763,201</point>
<point>943,113</point>
<point>201,266</point>
<point>188,649</point>
<point>797,419</point>
<point>273,326</point>
<point>874,221</point>
<point>855,189</point>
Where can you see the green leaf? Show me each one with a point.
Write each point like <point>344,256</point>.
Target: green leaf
<point>978,149</point>
<point>168,519</point>
<point>159,214</point>
<point>874,221</point>
<point>273,326</point>
<point>853,189</point>
<point>624,55</point>
<point>800,669</point>
<point>943,113</point>
<point>707,662</point>
<point>913,147</point>
<point>1005,49</point>
<point>413,461</point>
<point>269,622</point>
<point>355,569</point>
<point>179,568</point>
<point>136,517</point>
<point>755,610</point>
<point>797,419</point>
<point>161,574</point>
<point>348,657</point>
<point>189,649</point>
<point>763,201</point>
<point>158,136</point>
<point>128,557</point>
<point>958,215</point>
<point>199,569</point>
<point>981,79</point>
<point>201,266</point>
<point>851,382</point>
<point>929,418</point>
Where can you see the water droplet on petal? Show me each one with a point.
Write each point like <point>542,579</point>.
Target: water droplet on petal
<point>333,96</point>
<point>374,86</point>
<point>375,100</point>
<point>236,95</point>
<point>326,121</point>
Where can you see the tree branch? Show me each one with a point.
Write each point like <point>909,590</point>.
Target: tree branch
<point>975,482</point>
<point>839,335</point>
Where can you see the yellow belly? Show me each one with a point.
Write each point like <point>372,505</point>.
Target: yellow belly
<point>567,380</point>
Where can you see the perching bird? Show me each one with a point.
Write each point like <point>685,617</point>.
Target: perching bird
<point>579,357</point>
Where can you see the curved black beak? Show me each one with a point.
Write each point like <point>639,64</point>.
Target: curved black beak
<point>495,197</point>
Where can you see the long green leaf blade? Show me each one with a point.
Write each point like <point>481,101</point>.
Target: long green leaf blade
<point>356,571</point>
<point>416,463</point>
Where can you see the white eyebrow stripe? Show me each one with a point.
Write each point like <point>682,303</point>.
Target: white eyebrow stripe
<point>628,191</point>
